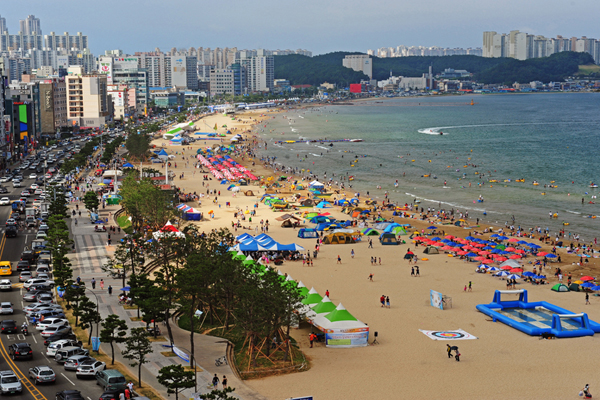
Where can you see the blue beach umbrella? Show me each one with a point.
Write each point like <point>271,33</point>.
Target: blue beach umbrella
<point>529,273</point>
<point>470,238</point>
<point>522,242</point>
<point>471,254</point>
<point>550,256</point>
<point>493,269</point>
<point>432,227</point>
<point>513,276</point>
<point>587,284</point>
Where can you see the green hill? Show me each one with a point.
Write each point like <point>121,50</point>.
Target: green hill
<point>328,68</point>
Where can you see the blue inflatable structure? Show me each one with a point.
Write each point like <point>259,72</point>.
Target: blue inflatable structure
<point>538,318</point>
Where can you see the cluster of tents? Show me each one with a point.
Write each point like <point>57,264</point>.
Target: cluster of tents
<point>189,213</point>
<point>262,242</point>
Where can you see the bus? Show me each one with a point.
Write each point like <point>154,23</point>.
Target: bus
<point>5,268</point>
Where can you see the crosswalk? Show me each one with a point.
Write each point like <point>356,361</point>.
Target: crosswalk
<point>21,230</point>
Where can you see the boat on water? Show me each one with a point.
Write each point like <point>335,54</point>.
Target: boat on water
<point>356,140</point>
<point>593,185</point>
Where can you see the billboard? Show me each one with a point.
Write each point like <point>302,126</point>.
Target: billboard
<point>356,88</point>
<point>105,66</point>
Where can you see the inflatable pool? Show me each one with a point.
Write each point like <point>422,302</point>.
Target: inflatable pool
<point>538,318</point>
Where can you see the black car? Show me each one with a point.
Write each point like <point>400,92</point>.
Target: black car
<point>11,231</point>
<point>39,182</point>
<point>23,265</point>
<point>8,326</point>
<point>20,351</point>
<point>69,395</point>
<point>3,189</point>
<point>28,255</point>
<point>111,394</point>
<point>59,336</point>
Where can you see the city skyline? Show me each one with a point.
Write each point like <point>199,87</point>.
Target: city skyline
<point>347,25</point>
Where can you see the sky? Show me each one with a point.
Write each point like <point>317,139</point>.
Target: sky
<point>320,26</point>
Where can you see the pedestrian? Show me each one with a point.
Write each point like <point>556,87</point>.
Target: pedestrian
<point>387,301</point>
<point>127,393</point>
<point>352,253</point>
<point>109,290</point>
<point>312,338</point>
<point>370,243</point>
<point>93,283</point>
<point>102,284</point>
<point>122,396</point>
<point>586,392</point>
<point>417,273</point>
<point>465,289</point>
<point>327,293</point>
<point>449,349</point>
<point>78,280</point>
<point>130,386</point>
<point>224,380</point>
<point>587,298</point>
<point>379,260</point>
<point>382,300</point>
<point>470,288</point>
<point>339,260</point>
<point>371,277</point>
<point>215,381</point>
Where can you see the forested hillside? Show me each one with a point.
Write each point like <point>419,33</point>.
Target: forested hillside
<point>328,68</point>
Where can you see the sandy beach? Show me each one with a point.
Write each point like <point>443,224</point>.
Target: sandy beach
<point>503,363</point>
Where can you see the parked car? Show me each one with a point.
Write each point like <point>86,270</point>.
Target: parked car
<point>47,322</point>
<point>42,374</point>
<point>88,369</point>
<point>55,329</point>
<point>35,281</point>
<point>25,276</point>
<point>73,362</point>
<point>59,336</point>
<point>69,395</point>
<point>111,379</point>
<point>53,347</point>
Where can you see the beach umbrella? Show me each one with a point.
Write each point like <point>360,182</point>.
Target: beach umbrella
<point>502,273</point>
<point>514,257</point>
<point>447,248</point>
<point>520,251</point>
<point>513,276</point>
<point>501,259</point>
<point>487,261</point>
<point>484,253</point>
<point>550,255</point>
<point>449,237</point>
<point>469,238</point>
<point>495,235</point>
<point>596,288</point>
<point>535,246</point>
<point>578,282</point>
<point>522,242</point>
<point>528,273</point>
<point>510,249</point>
<point>513,240</point>
<point>461,253</point>
<point>586,278</point>
<point>516,270</point>
<point>542,254</point>
<point>502,238</point>
<point>493,269</point>
<point>471,254</point>
<point>587,284</point>
<point>506,268</point>
<point>482,266</point>
<point>482,259</point>
<point>431,227</point>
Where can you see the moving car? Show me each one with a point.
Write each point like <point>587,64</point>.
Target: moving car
<point>25,276</point>
<point>5,284</point>
<point>69,395</point>
<point>6,307</point>
<point>20,351</point>
<point>8,326</point>
<point>42,374</point>
<point>5,201</point>
<point>9,383</point>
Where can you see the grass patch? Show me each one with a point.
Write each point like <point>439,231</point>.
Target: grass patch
<point>125,224</point>
<point>130,307</point>
<point>588,69</point>
<point>274,365</point>
<point>157,339</point>
<point>135,319</point>
<point>168,354</point>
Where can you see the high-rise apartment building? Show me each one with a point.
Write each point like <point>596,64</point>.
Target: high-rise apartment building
<point>3,24</point>
<point>87,103</point>
<point>259,70</point>
<point>53,105</point>
<point>183,73</point>
<point>359,62</point>
<point>523,46</point>
<point>30,25</point>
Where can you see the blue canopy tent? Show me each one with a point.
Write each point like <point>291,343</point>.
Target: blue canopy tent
<point>308,233</point>
<point>324,204</point>
<point>321,218</point>
<point>128,165</point>
<point>243,237</point>
<point>321,227</point>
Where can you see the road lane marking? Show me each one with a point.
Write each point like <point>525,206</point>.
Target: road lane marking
<point>34,339</point>
<point>37,395</point>
<point>67,379</point>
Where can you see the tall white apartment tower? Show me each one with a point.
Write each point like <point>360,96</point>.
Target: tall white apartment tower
<point>359,62</point>
<point>30,25</point>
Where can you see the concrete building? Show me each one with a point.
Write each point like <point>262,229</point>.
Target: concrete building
<point>222,81</point>
<point>359,62</point>
<point>4,123</point>
<point>166,99</point>
<point>126,70</point>
<point>87,102</point>
<point>119,95</point>
<point>259,70</point>
<point>183,72</point>
<point>30,25</point>
<point>53,106</point>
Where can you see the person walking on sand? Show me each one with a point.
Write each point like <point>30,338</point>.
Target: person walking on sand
<point>470,289</point>
<point>587,298</point>
<point>371,277</point>
<point>379,260</point>
<point>339,260</point>
<point>387,301</point>
<point>352,253</point>
<point>417,273</point>
<point>312,338</point>
<point>327,293</point>
<point>382,300</point>
<point>370,243</point>
<point>412,271</point>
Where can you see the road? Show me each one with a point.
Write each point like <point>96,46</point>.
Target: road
<point>10,250</point>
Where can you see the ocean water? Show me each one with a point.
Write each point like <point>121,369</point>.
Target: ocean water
<point>549,138</point>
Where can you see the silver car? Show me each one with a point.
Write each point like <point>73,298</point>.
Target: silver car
<point>9,383</point>
<point>75,361</point>
<point>42,374</point>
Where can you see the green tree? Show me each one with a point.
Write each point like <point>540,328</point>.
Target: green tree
<point>88,313</point>
<point>91,201</point>
<point>58,202</point>
<point>219,394</point>
<point>137,145</point>
<point>137,347</point>
<point>149,298</point>
<point>113,330</point>
<point>74,293</point>
<point>175,379</point>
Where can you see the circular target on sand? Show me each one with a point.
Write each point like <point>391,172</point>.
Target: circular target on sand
<point>447,335</point>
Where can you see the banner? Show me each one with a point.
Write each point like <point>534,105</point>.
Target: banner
<point>181,354</point>
<point>436,299</point>
<point>95,343</point>
<point>457,334</point>
<point>347,338</point>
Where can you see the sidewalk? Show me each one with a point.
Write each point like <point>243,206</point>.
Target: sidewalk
<point>92,251</point>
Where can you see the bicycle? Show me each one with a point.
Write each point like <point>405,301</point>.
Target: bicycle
<point>220,361</point>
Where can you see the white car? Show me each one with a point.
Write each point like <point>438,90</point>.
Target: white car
<point>89,369</point>
<point>59,344</point>
<point>51,330</point>
<point>32,176</point>
<point>5,284</point>
<point>5,179</point>
<point>34,186</point>
<point>5,201</point>
<point>6,307</point>
<point>17,184</point>
<point>39,191</point>
<point>35,281</point>
<point>35,307</point>
<point>48,322</point>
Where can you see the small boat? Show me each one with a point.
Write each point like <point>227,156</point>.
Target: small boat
<point>535,183</point>
<point>593,185</point>
<point>356,140</point>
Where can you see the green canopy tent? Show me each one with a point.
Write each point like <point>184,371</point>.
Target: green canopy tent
<point>312,297</point>
<point>303,289</point>
<point>399,231</point>
<point>324,307</point>
<point>340,314</point>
